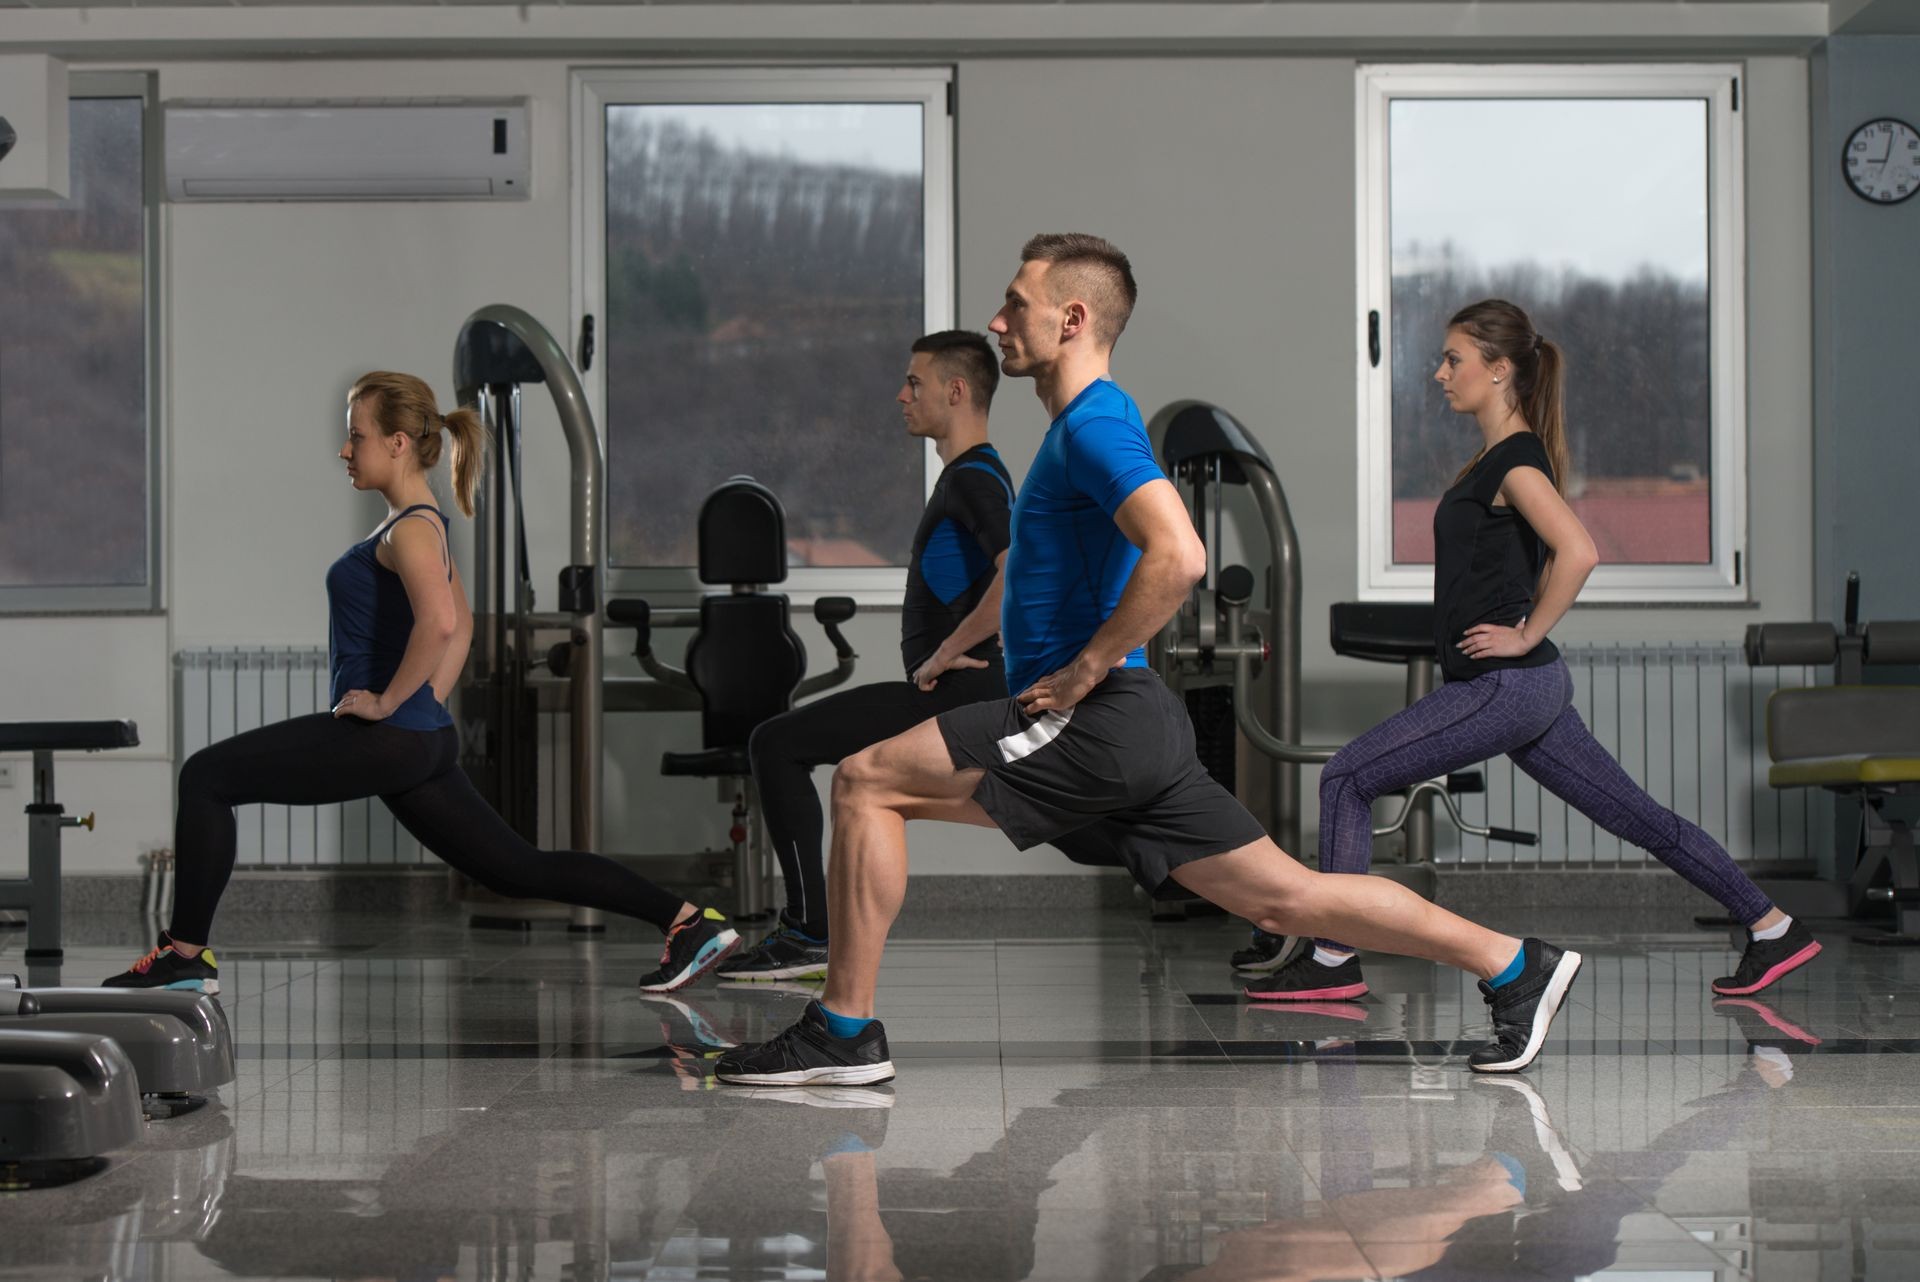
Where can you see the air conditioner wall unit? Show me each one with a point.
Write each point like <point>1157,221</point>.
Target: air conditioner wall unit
<point>420,149</point>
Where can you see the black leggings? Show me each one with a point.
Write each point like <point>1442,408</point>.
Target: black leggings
<point>786,749</point>
<point>320,759</point>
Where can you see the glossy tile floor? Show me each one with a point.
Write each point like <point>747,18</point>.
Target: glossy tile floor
<point>1080,1097</point>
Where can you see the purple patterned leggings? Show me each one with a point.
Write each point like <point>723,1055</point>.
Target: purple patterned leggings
<point>1528,714</point>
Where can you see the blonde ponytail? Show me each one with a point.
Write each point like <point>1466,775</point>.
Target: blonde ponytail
<point>469,455</point>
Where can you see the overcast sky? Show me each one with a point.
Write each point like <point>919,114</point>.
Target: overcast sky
<point>884,135</point>
<point>1605,187</point>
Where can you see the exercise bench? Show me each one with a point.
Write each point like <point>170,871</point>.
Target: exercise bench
<point>39,891</point>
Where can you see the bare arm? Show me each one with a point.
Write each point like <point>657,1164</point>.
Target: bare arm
<point>981,622</point>
<point>1172,559</point>
<point>418,555</point>
<point>455,661</point>
<point>1571,557</point>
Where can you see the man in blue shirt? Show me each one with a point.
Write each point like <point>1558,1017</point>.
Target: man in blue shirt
<point>1093,753</point>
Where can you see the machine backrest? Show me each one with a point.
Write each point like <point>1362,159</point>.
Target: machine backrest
<point>1843,721</point>
<point>745,659</point>
<point>743,534</point>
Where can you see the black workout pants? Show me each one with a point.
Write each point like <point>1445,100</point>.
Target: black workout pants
<point>786,749</point>
<point>321,759</point>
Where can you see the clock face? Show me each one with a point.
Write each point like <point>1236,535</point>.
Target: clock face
<point>1883,161</point>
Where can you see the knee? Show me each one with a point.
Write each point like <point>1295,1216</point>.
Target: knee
<point>762,744</point>
<point>859,780</point>
<point>200,776</point>
<point>1283,906</point>
<point>506,884</point>
<point>1336,777</point>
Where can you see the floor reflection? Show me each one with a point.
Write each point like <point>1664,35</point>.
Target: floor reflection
<point>524,1117</point>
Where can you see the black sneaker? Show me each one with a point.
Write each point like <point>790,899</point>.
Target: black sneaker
<point>694,947</point>
<point>785,954</point>
<point>1524,1007</point>
<point>1304,979</point>
<point>808,1055</point>
<point>164,968</point>
<point>1767,961</point>
<point>1263,955</point>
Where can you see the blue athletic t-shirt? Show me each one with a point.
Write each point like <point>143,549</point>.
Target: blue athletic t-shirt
<point>1069,562</point>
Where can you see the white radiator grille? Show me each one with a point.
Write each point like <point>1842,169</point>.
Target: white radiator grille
<point>1689,723</point>
<point>224,691</point>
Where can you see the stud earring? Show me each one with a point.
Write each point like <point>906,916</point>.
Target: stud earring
<point>1496,380</point>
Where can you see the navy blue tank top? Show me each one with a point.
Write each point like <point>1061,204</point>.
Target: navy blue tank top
<point>369,622</point>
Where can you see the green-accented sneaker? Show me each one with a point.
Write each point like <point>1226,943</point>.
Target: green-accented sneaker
<point>164,968</point>
<point>694,947</point>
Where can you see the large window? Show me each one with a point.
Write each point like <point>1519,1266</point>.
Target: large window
<point>1606,202</point>
<point>77,513</point>
<point>760,248</point>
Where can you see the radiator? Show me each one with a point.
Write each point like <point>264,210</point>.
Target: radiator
<point>1689,723</point>
<point>224,691</point>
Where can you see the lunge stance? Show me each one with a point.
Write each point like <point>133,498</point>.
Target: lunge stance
<point>398,630</point>
<point>1509,558</point>
<point>949,642</point>
<point>1094,748</point>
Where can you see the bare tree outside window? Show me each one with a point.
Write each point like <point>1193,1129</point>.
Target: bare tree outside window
<point>1592,214</point>
<point>73,366</point>
<point>765,276</point>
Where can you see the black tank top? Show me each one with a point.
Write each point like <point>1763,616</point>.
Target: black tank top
<point>1486,559</point>
<point>965,528</point>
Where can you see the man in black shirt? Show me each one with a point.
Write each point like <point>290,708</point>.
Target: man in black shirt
<point>949,642</point>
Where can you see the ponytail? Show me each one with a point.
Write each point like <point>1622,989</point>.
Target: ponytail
<point>469,455</point>
<point>1545,405</point>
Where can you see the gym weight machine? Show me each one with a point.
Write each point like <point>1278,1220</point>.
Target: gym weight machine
<point>512,674</point>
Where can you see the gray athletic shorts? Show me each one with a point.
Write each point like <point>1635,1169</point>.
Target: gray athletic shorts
<point>1113,780</point>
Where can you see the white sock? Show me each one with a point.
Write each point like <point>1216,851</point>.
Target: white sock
<point>1330,956</point>
<point>1775,1057</point>
<point>1774,931</point>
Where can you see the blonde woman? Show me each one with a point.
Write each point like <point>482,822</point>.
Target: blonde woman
<point>398,631</point>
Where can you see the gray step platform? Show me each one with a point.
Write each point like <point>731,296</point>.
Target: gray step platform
<point>65,1097</point>
<point>177,1042</point>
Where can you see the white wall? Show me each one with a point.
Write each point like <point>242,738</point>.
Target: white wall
<point>1229,181</point>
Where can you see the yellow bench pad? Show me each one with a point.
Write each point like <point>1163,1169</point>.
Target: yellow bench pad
<point>1842,772</point>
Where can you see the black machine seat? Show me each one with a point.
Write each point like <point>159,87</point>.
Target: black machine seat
<point>1383,632</point>
<point>710,763</point>
<point>67,736</point>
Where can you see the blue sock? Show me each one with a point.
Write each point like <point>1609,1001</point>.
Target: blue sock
<point>848,1142</point>
<point>1516,1173</point>
<point>1512,972</point>
<point>843,1026</point>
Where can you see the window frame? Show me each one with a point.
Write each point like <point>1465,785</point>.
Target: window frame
<point>595,89</point>
<point>1722,580</point>
<point>146,598</point>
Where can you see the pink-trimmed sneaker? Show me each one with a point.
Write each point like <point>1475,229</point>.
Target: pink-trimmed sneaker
<point>1767,961</point>
<point>1305,980</point>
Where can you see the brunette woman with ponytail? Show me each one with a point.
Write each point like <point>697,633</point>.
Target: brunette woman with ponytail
<point>398,631</point>
<point>1509,558</point>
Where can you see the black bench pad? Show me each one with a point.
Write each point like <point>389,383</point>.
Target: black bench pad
<point>67,736</point>
<point>709,763</point>
<point>1389,632</point>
